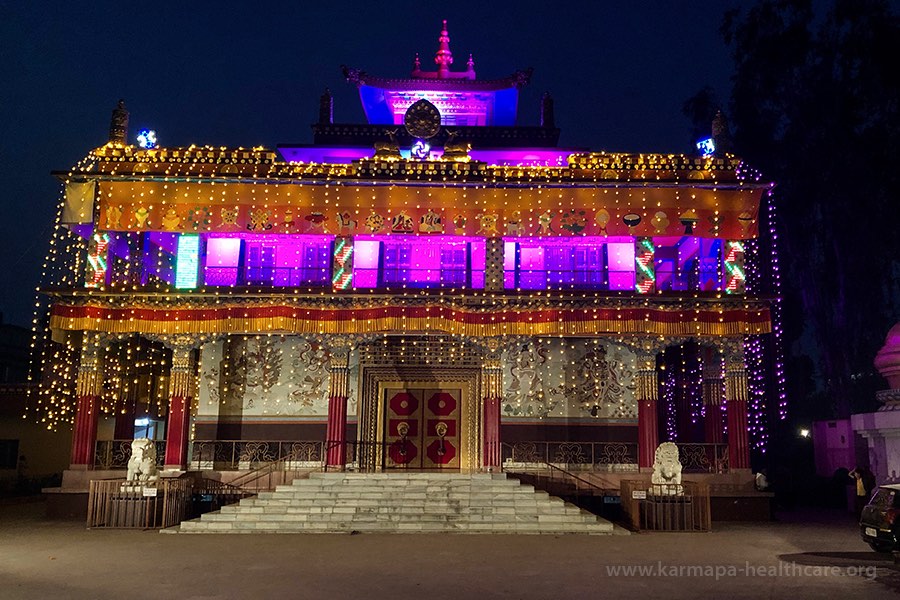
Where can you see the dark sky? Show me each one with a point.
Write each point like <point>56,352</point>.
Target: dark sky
<point>250,73</point>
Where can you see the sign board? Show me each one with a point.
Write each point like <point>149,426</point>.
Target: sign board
<point>149,492</point>
<point>639,494</point>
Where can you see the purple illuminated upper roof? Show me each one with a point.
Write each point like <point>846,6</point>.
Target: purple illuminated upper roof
<point>461,99</point>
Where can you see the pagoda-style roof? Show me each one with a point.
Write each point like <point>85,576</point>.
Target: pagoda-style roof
<point>461,98</point>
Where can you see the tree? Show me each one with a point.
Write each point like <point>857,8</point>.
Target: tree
<point>815,106</point>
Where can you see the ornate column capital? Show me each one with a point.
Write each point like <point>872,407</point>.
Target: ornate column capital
<point>89,381</point>
<point>732,349</point>
<point>647,347</point>
<point>736,383</point>
<point>712,375</point>
<point>711,356</point>
<point>492,374</point>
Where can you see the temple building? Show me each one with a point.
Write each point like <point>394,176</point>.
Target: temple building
<point>439,288</point>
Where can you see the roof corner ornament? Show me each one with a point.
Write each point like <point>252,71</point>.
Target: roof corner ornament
<point>521,78</point>
<point>470,67</point>
<point>118,124</point>
<point>352,75</point>
<point>443,58</point>
<point>417,65</point>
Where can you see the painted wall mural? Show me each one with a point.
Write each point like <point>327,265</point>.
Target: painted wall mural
<point>558,378</point>
<point>267,376</point>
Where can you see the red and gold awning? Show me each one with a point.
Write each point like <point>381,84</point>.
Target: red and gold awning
<point>699,320</point>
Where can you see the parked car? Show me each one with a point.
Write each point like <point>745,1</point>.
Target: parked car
<point>879,524</point>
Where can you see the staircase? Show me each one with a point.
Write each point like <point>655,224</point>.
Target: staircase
<point>401,503</point>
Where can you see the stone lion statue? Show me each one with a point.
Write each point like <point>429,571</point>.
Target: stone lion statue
<point>142,464</point>
<point>666,477</point>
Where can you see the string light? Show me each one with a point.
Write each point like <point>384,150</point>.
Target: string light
<point>159,200</point>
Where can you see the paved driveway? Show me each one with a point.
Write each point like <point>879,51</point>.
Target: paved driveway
<point>812,554</point>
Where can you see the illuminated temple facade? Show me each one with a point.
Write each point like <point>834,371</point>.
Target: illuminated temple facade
<point>438,288</point>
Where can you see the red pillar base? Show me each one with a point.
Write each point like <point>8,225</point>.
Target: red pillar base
<point>492,455</point>
<point>648,435</point>
<point>336,433</point>
<point>738,439</point>
<point>177,433</point>
<point>84,433</point>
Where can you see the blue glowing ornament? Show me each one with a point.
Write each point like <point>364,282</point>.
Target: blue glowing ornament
<point>707,147</point>
<point>146,138</point>
<point>420,149</point>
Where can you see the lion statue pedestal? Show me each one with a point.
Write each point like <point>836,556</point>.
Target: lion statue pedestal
<point>666,477</point>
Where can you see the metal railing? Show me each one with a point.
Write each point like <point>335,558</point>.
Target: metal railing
<point>605,456</point>
<point>298,454</point>
<point>114,454</point>
<point>268,476</point>
<point>248,454</point>
<point>703,458</point>
<point>557,481</point>
<point>120,504</point>
<point>666,507</point>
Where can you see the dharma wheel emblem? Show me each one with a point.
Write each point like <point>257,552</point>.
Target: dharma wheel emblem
<point>422,119</point>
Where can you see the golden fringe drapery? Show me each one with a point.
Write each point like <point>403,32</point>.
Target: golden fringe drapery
<point>453,320</point>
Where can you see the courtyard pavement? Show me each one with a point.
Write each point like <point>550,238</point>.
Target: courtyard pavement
<point>805,555</point>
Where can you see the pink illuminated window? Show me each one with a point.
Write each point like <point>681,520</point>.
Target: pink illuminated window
<point>222,261</point>
<point>621,265</point>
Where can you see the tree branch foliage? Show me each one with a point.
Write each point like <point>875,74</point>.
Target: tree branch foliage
<point>814,105</point>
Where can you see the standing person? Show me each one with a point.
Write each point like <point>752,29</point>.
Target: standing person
<point>865,483</point>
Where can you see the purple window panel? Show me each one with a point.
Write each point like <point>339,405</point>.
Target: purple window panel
<point>621,280</point>
<point>365,278</point>
<point>621,256</point>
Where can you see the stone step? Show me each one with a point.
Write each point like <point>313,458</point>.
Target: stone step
<point>396,517</point>
<point>509,528</point>
<point>406,502</point>
<point>400,476</point>
<point>430,486</point>
<point>403,510</point>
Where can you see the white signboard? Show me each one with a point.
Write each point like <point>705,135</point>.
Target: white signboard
<point>149,492</point>
<point>639,494</point>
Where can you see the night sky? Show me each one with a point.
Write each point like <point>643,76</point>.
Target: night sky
<point>250,73</point>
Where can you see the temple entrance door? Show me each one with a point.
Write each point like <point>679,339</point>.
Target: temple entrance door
<point>422,427</point>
